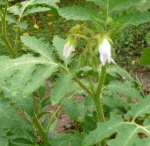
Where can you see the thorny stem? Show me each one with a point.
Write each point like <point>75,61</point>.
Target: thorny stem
<point>40,129</point>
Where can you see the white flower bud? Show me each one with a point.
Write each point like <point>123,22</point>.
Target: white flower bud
<point>105,52</point>
<point>68,49</point>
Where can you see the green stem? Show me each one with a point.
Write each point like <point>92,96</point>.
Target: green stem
<point>40,129</point>
<point>16,39</point>
<point>78,82</point>
<point>52,118</point>
<point>83,86</point>
<point>97,98</point>
<point>4,35</point>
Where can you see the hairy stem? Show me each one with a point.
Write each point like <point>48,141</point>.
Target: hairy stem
<point>40,129</point>
<point>83,86</point>
<point>16,39</point>
<point>97,98</point>
<point>4,35</point>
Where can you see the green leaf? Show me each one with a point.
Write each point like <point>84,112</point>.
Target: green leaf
<point>3,2</point>
<point>74,139</point>
<point>78,13</point>
<point>35,10</point>
<point>126,89</point>
<point>120,5</point>
<point>127,133</point>
<point>126,19</point>
<point>37,46</point>
<point>116,5</point>
<point>128,136</point>
<point>97,2</point>
<point>148,38</point>
<point>3,139</point>
<point>102,131</point>
<point>31,72</point>
<point>145,59</point>
<point>9,118</point>
<point>61,88</point>
<point>58,44</point>
<point>22,141</point>
<point>140,109</point>
<point>28,7</point>
<point>51,3</point>
<point>117,71</point>
<point>75,110</point>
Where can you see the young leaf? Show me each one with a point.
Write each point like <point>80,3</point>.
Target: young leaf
<point>58,44</point>
<point>61,88</point>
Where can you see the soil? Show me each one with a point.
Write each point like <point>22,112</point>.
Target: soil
<point>144,77</point>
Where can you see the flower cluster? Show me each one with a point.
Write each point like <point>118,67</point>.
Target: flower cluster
<point>104,51</point>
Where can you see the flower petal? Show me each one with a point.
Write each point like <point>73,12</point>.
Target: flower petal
<point>68,49</point>
<point>105,52</point>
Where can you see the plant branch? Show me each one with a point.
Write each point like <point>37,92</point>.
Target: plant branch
<point>83,86</point>
<point>52,118</point>
<point>40,129</point>
<point>97,98</point>
<point>4,35</point>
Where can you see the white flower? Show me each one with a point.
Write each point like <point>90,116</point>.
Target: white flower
<point>105,52</point>
<point>68,49</point>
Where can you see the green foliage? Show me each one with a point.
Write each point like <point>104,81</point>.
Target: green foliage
<point>128,133</point>
<point>75,110</point>
<point>38,46</point>
<point>73,139</point>
<point>119,20</point>
<point>58,44</point>
<point>126,19</point>
<point>120,5</point>
<point>9,118</point>
<point>26,70</point>
<point>31,6</point>
<point>61,88</point>
<point>32,82</point>
<point>78,13</point>
<point>145,59</point>
<point>117,71</point>
<point>3,139</point>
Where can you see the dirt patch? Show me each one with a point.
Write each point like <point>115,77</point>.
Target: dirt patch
<point>144,77</point>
